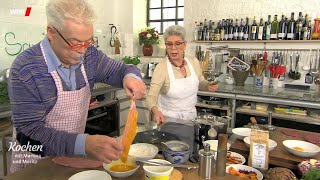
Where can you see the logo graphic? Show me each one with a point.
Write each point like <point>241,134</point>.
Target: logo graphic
<point>21,12</point>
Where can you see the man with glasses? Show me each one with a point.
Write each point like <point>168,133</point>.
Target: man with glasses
<point>51,85</point>
<point>174,85</point>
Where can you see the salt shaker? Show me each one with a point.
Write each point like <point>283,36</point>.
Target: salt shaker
<point>206,162</point>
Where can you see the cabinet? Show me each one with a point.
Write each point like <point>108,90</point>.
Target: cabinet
<point>237,95</point>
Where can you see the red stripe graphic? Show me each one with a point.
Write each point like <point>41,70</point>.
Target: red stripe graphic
<point>28,11</point>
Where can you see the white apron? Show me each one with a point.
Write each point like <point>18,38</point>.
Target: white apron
<point>181,99</point>
<point>69,114</point>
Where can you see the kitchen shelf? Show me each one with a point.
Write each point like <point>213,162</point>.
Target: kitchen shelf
<point>261,41</point>
<point>224,107</point>
<point>297,118</point>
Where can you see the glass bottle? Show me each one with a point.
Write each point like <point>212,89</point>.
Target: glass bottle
<point>222,30</point>
<point>253,35</point>
<point>298,27</point>
<point>236,31</point>
<point>260,30</point>
<point>241,30</point>
<point>290,29</point>
<point>246,30</point>
<point>231,28</point>
<point>268,28</point>
<point>195,31</point>
<point>282,28</point>
<point>274,28</point>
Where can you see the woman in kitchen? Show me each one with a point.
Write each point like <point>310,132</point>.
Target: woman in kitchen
<point>174,85</point>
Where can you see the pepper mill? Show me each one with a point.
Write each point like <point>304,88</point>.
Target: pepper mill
<point>269,126</point>
<point>221,155</point>
<point>206,162</point>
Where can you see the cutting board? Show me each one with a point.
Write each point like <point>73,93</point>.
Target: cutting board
<point>176,175</point>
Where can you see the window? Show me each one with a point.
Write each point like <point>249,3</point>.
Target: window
<point>164,13</point>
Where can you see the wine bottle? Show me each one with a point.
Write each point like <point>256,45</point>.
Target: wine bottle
<point>217,32</point>
<point>241,30</point>
<point>290,29</point>
<point>246,30</point>
<point>305,33</point>
<point>253,35</point>
<point>274,28</point>
<point>222,30</point>
<point>236,31</point>
<point>200,30</point>
<point>205,29</point>
<point>282,28</point>
<point>231,30</point>
<point>195,31</point>
<point>298,27</point>
<point>226,30</point>
<point>260,30</point>
<point>268,28</point>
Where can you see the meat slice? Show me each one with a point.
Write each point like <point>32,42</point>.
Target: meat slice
<point>291,133</point>
<point>75,162</point>
<point>315,139</point>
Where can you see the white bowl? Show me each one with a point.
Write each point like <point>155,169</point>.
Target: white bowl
<point>247,168</point>
<point>157,172</point>
<point>309,149</point>
<point>234,154</point>
<point>241,132</point>
<point>214,144</point>
<point>272,143</point>
<point>143,151</point>
<point>91,174</point>
<point>130,161</point>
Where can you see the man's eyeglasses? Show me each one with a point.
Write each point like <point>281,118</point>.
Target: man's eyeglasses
<point>77,46</point>
<point>178,44</point>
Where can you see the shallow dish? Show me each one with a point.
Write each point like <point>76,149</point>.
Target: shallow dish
<point>143,151</point>
<point>307,149</point>
<point>91,174</point>
<point>234,154</point>
<point>272,143</point>
<point>246,168</point>
<point>131,161</point>
<point>214,144</point>
<point>241,132</point>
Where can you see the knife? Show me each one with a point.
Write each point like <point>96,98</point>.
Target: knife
<point>173,165</point>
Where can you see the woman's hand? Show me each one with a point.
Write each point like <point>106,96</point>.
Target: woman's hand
<point>212,87</point>
<point>158,117</point>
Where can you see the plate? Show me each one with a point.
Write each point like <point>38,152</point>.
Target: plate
<point>234,154</point>
<point>214,144</point>
<point>91,174</point>
<point>246,168</point>
<point>241,132</point>
<point>307,149</point>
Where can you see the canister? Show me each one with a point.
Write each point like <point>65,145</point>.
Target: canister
<point>206,162</point>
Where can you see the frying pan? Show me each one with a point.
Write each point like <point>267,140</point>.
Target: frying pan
<point>155,137</point>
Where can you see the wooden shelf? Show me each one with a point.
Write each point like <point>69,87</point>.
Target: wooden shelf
<point>224,107</point>
<point>261,41</point>
<point>291,117</point>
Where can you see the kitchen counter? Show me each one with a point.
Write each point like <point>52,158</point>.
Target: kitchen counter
<point>46,169</point>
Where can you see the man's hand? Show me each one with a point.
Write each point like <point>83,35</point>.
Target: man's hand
<point>134,87</point>
<point>103,148</point>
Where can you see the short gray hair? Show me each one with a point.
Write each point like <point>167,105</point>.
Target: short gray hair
<point>76,10</point>
<point>174,30</point>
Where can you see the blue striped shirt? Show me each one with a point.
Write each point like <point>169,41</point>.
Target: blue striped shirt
<point>33,94</point>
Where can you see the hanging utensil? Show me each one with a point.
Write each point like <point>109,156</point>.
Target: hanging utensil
<point>308,78</point>
<point>297,74</point>
<point>113,31</point>
<point>315,70</point>
<point>291,72</point>
<point>306,67</point>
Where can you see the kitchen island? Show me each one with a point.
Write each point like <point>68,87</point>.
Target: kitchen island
<point>47,169</point>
